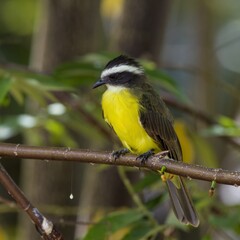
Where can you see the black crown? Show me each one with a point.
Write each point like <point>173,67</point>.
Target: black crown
<point>122,60</point>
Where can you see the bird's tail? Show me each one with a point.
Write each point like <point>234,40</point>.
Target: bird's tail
<point>181,202</point>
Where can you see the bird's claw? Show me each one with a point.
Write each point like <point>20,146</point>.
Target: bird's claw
<point>144,157</point>
<point>117,154</point>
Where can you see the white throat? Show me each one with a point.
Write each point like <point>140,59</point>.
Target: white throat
<point>113,88</point>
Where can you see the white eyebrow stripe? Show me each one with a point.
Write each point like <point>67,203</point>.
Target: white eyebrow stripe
<point>121,68</point>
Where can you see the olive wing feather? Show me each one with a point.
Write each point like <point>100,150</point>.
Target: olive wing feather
<point>158,122</point>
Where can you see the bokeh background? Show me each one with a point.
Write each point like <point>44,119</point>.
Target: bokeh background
<point>51,53</point>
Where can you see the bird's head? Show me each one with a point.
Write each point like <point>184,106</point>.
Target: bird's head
<point>122,71</point>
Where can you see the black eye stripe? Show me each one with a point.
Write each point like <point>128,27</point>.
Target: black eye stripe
<point>121,75</point>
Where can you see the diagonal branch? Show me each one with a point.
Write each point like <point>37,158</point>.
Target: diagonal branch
<point>154,163</point>
<point>45,227</point>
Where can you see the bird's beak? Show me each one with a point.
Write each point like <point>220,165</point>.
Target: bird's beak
<point>99,83</point>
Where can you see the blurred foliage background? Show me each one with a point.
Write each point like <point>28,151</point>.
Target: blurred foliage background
<point>51,53</point>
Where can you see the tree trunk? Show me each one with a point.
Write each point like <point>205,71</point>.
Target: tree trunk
<point>66,29</point>
<point>140,32</point>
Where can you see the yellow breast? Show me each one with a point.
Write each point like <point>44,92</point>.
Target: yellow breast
<point>121,111</point>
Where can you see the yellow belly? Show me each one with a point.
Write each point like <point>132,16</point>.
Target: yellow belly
<point>121,111</point>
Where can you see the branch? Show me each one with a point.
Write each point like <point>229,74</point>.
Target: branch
<point>45,227</point>
<point>154,163</point>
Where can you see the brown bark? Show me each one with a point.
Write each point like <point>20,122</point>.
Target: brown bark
<point>155,163</point>
<point>66,29</point>
<point>141,28</point>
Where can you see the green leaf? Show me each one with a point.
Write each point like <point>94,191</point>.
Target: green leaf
<point>81,71</point>
<point>230,221</point>
<point>226,127</point>
<point>218,130</point>
<point>77,73</point>
<point>139,231</point>
<point>227,122</point>
<point>156,200</point>
<point>148,180</point>
<point>47,82</point>
<point>112,223</point>
<point>5,85</point>
<point>17,95</point>
<point>57,130</point>
<point>167,82</point>
<point>32,89</point>
<point>206,237</point>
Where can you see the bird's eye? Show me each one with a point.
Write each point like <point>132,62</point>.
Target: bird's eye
<point>111,77</point>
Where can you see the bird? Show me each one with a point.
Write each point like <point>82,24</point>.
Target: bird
<point>144,125</point>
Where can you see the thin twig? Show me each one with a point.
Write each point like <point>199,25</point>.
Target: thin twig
<point>154,163</point>
<point>44,226</point>
<point>135,196</point>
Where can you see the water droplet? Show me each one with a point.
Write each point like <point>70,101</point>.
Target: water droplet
<point>92,164</point>
<point>45,160</point>
<point>189,178</point>
<point>71,196</point>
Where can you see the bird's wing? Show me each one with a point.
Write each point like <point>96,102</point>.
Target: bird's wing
<point>158,122</point>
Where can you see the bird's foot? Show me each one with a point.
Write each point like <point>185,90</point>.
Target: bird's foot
<point>117,154</point>
<point>144,157</point>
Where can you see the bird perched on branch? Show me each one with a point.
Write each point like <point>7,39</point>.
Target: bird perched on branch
<point>144,124</point>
